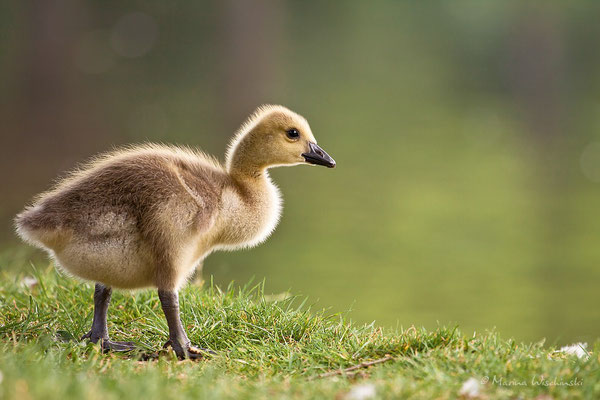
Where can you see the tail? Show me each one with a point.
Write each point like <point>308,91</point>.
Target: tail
<point>37,227</point>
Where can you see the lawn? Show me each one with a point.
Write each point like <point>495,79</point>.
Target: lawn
<point>268,346</point>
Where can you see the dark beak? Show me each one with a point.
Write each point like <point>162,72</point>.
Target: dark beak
<point>317,156</point>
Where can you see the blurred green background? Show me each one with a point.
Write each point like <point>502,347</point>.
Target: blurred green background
<point>467,137</point>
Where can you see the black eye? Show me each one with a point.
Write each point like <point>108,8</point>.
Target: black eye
<point>293,133</point>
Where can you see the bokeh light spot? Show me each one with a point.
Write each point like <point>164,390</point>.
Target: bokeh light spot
<point>590,162</point>
<point>134,35</point>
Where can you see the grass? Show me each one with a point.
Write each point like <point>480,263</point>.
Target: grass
<point>268,347</point>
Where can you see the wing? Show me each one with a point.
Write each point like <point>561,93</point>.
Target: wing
<point>148,194</point>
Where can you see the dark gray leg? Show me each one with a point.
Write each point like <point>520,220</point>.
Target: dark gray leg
<point>99,331</point>
<point>178,339</point>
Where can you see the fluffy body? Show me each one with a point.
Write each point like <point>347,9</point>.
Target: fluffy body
<point>148,215</point>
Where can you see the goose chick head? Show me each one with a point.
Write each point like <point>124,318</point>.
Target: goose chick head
<point>274,136</point>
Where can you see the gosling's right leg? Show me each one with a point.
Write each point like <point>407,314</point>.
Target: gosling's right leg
<point>178,340</point>
<point>99,331</point>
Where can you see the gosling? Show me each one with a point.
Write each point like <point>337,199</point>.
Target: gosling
<point>147,216</point>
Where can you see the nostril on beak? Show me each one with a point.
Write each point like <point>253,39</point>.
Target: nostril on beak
<point>318,156</point>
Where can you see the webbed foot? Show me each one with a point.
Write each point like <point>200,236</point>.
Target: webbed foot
<point>109,345</point>
<point>188,351</point>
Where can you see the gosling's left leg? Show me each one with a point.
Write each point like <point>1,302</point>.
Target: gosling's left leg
<point>178,340</point>
<point>99,331</point>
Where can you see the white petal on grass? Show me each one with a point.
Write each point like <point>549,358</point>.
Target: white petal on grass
<point>361,392</point>
<point>1,377</point>
<point>29,282</point>
<point>577,349</point>
<point>471,388</point>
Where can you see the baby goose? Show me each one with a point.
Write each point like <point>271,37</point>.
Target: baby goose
<point>148,215</point>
